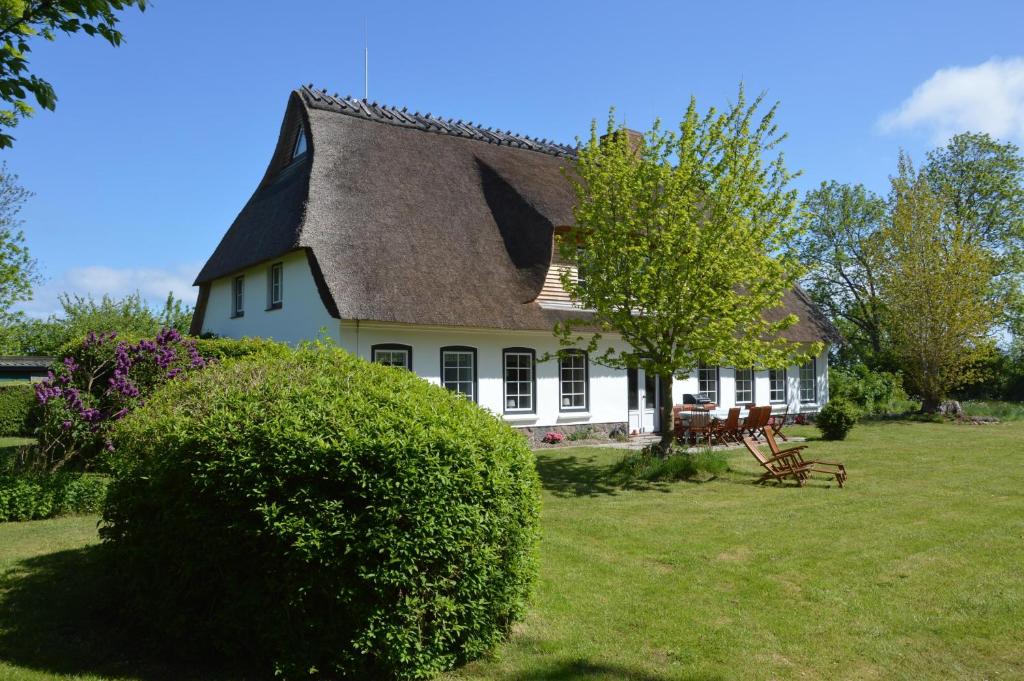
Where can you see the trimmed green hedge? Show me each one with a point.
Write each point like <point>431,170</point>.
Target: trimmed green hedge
<point>18,414</point>
<point>46,495</point>
<point>308,509</point>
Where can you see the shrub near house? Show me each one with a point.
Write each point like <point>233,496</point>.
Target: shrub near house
<point>102,377</point>
<point>312,510</point>
<point>17,414</point>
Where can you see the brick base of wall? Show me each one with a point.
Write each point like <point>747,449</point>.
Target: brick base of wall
<point>601,431</point>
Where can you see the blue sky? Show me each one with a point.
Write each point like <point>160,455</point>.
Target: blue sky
<point>156,145</point>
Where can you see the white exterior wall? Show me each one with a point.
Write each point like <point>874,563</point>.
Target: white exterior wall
<point>727,387</point>
<point>301,316</point>
<point>607,387</point>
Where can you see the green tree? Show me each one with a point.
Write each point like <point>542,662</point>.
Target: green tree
<point>840,221</point>
<point>128,316</point>
<point>17,268</point>
<point>981,179</point>
<point>23,21</point>
<point>933,283</point>
<point>682,241</point>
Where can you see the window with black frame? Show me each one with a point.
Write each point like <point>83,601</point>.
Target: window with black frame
<point>707,382</point>
<point>238,297</point>
<point>572,373</point>
<point>809,381</point>
<point>519,380</point>
<point>745,386</point>
<point>458,370</point>
<point>392,355</point>
<point>777,386</point>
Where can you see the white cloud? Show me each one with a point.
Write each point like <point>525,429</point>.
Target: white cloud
<point>988,98</point>
<point>96,280</point>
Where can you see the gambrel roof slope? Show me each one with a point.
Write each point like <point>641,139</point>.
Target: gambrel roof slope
<point>414,218</point>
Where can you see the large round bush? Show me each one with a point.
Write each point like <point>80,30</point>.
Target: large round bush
<point>836,419</point>
<point>312,511</point>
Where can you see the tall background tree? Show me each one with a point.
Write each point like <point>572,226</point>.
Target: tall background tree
<point>841,221</point>
<point>22,22</point>
<point>129,316</point>
<point>979,182</point>
<point>17,268</point>
<point>934,280</point>
<point>682,240</point>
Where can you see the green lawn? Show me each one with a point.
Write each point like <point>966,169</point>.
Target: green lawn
<point>914,571</point>
<point>16,441</point>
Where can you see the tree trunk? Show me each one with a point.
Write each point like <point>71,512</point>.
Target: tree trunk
<point>930,405</point>
<point>667,425</point>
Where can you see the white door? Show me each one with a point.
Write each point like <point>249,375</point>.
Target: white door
<point>644,415</point>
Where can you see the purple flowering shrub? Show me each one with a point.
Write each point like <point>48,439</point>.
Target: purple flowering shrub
<point>98,383</point>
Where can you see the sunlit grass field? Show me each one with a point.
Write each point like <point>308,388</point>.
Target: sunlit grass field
<point>913,571</point>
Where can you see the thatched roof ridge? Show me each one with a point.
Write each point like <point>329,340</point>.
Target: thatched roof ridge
<point>450,228</point>
<point>391,115</point>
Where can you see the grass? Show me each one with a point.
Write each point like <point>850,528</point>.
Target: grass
<point>913,571</point>
<point>1004,411</point>
<point>16,441</point>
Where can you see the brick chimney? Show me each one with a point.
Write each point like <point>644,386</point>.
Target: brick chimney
<point>634,138</point>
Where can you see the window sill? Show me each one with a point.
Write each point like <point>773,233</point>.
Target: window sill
<point>275,306</point>
<point>573,415</point>
<point>520,416</point>
<point>238,315</point>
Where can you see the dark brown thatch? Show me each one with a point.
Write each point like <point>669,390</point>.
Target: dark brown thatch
<point>416,219</point>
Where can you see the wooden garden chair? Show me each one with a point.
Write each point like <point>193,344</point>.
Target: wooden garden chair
<point>749,423</point>
<point>759,421</point>
<point>778,421</point>
<point>726,430</point>
<point>777,468</point>
<point>677,421</point>
<point>832,468</point>
<point>700,427</point>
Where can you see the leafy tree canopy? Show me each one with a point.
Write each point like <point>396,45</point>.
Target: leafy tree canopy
<point>979,182</point>
<point>17,268</point>
<point>934,277</point>
<point>23,21</point>
<point>129,316</point>
<point>841,221</point>
<point>682,239</point>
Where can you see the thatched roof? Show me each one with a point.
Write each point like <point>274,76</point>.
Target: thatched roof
<point>412,218</point>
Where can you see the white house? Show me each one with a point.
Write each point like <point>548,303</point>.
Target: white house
<point>427,243</point>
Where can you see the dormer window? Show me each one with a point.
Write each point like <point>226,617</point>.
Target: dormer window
<point>300,143</point>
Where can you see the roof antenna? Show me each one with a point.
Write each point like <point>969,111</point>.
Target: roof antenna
<point>366,63</point>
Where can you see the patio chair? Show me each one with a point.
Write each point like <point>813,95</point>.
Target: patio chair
<point>777,468</point>
<point>748,424</point>
<point>778,421</point>
<point>696,428</point>
<point>759,417</point>
<point>725,431</point>
<point>833,468</point>
<point>677,420</point>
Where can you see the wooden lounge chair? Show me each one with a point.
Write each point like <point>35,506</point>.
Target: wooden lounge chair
<point>777,421</point>
<point>833,468</point>
<point>777,468</point>
<point>726,430</point>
